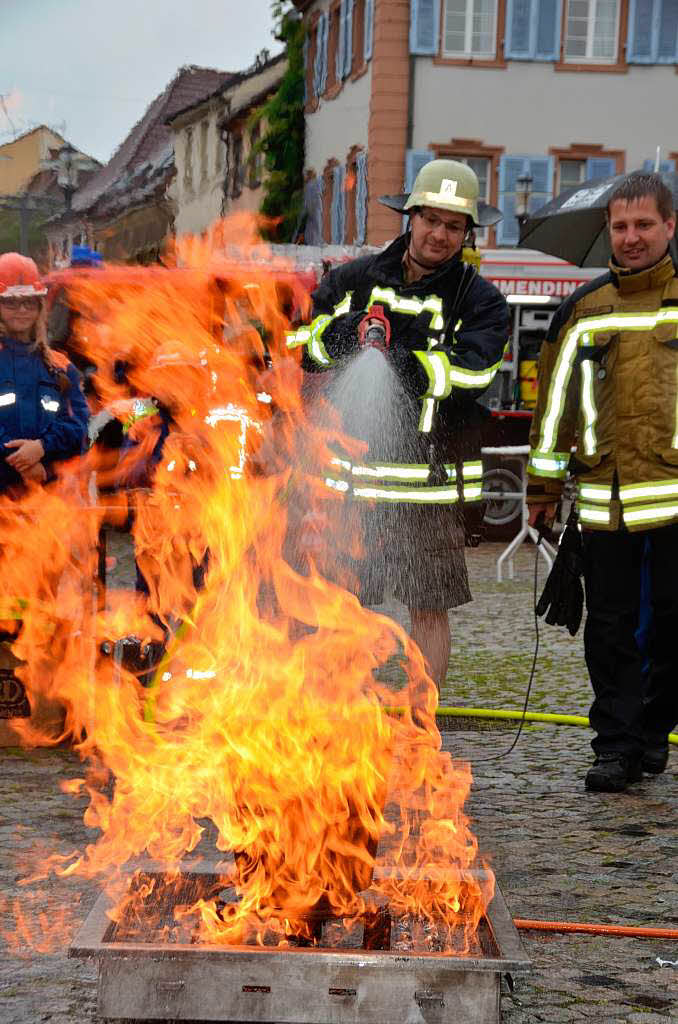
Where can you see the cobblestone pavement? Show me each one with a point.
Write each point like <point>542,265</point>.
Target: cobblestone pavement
<point>558,852</point>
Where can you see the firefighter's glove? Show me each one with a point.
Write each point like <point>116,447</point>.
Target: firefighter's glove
<point>562,600</point>
<point>342,338</point>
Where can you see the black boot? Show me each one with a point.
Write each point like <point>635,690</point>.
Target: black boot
<point>655,757</point>
<point>612,773</point>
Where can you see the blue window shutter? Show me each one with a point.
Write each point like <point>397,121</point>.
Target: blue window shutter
<point>548,19</point>
<point>348,38</point>
<point>318,59</point>
<point>341,43</point>
<point>361,198</point>
<point>369,29</point>
<point>323,52</point>
<point>424,26</point>
<point>313,205</point>
<point>600,167</point>
<point>518,35</point>
<point>642,24</point>
<point>320,63</point>
<point>510,169</point>
<point>338,209</point>
<point>507,228</point>
<point>667,50</point>
<point>541,170</point>
<point>415,159</point>
<point>665,166</point>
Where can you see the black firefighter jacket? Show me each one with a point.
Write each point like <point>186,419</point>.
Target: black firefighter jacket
<point>448,334</point>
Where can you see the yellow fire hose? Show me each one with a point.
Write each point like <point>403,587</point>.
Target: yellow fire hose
<point>516,716</point>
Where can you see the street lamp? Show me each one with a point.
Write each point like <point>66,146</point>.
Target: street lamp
<point>523,196</point>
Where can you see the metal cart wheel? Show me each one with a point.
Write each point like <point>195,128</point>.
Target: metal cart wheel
<point>501,511</point>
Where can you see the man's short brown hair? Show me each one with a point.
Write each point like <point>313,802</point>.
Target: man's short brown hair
<point>639,184</point>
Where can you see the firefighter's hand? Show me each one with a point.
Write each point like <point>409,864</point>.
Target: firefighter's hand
<point>37,474</point>
<point>27,454</point>
<point>542,514</point>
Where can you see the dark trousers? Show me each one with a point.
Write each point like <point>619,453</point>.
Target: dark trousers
<point>631,708</point>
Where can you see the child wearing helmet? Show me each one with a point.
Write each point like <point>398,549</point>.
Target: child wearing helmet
<point>43,413</point>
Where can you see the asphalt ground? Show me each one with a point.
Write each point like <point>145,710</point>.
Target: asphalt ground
<point>558,852</point>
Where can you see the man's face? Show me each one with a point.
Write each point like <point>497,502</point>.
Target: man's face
<point>638,233</point>
<point>437,235</point>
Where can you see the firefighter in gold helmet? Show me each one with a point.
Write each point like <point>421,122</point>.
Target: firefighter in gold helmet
<point>441,329</point>
<point>607,413</point>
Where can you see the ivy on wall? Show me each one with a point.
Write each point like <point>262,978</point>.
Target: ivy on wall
<point>282,138</point>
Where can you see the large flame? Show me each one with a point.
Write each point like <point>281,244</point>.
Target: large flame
<point>264,716</point>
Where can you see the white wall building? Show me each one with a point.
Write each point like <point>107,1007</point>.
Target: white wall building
<point>217,172</point>
<point>562,90</point>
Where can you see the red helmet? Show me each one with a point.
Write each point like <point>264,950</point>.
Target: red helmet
<point>19,277</point>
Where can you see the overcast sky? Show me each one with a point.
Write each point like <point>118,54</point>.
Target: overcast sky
<point>89,68</point>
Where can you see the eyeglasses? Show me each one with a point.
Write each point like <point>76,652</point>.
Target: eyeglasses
<point>452,228</point>
<point>30,302</point>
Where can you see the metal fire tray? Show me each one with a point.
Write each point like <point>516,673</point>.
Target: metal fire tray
<point>200,982</point>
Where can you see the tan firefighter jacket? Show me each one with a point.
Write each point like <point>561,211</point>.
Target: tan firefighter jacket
<point>608,388</point>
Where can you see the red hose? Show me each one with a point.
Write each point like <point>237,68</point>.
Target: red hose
<point>596,929</point>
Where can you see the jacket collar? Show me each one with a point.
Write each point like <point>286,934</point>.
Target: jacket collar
<point>629,281</point>
<point>388,266</point>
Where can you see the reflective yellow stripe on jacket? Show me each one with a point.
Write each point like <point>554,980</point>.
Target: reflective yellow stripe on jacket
<point>398,482</point>
<point>312,335</point>
<point>544,460</point>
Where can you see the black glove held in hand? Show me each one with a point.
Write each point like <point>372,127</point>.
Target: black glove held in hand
<point>562,600</point>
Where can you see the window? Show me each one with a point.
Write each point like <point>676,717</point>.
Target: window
<point>255,158</point>
<point>333,47</point>
<point>653,32</point>
<point>236,165</point>
<point>470,28</point>
<point>572,172</point>
<point>204,132</point>
<point>221,150</point>
<point>481,166</point>
<point>484,160</point>
<point>188,161</point>
<point>591,31</point>
<point>540,169</point>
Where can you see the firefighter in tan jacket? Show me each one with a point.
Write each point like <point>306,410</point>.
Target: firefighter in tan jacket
<point>608,388</point>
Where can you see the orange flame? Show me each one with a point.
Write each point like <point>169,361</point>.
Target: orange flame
<point>264,715</point>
